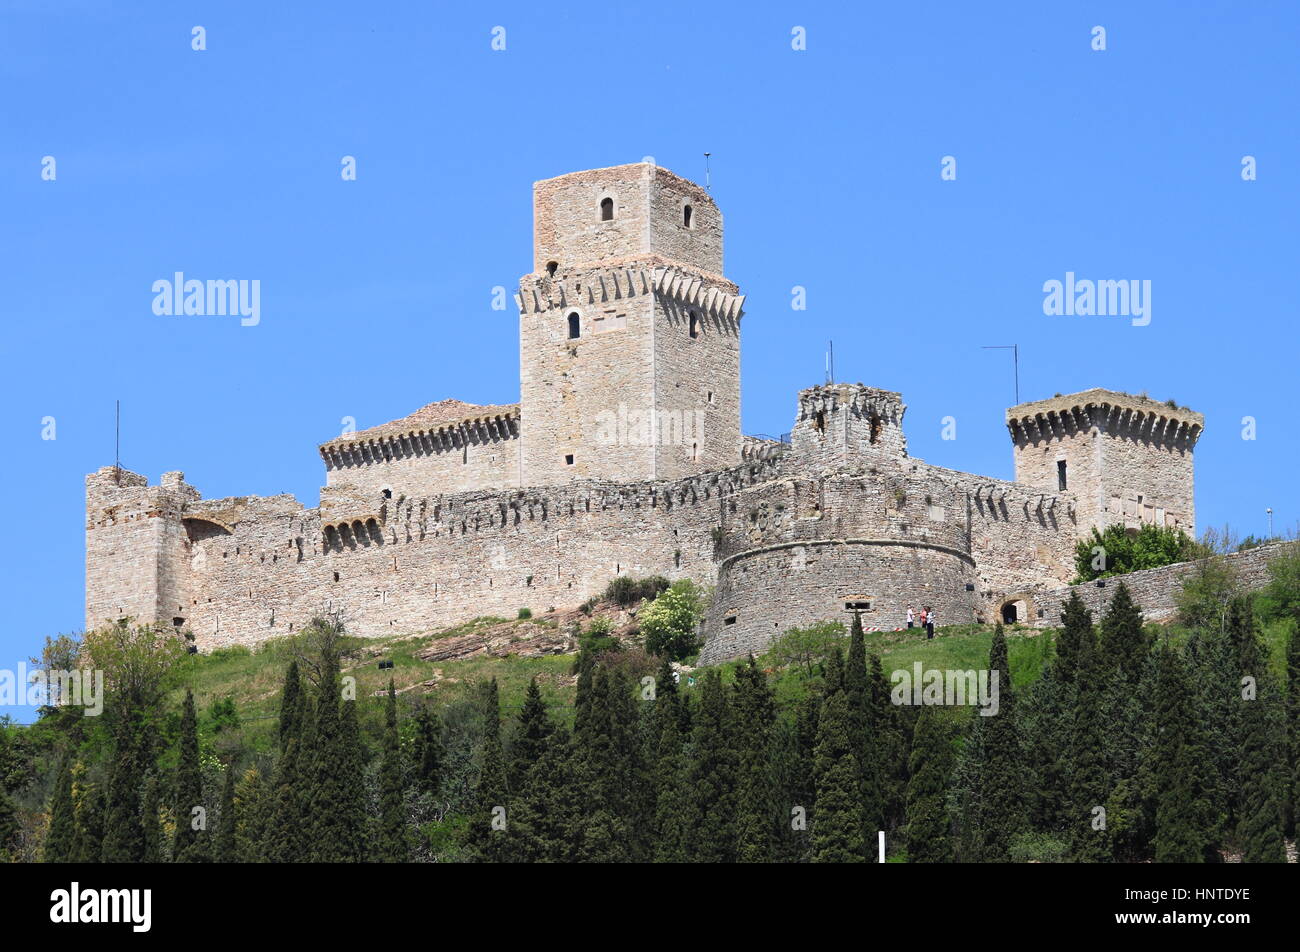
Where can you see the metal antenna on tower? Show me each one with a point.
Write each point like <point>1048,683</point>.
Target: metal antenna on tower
<point>830,362</point>
<point>1015,358</point>
<point>707,184</point>
<point>117,444</point>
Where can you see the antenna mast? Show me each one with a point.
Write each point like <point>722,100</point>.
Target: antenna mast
<point>707,183</point>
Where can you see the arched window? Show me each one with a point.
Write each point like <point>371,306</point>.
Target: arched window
<point>686,215</point>
<point>606,209</point>
<point>575,328</point>
<point>551,266</point>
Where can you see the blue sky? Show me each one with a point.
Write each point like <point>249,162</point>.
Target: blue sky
<point>376,293</point>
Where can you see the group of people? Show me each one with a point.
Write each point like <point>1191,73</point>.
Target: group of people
<point>926,618</point>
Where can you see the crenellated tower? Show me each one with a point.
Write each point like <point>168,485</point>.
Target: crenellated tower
<point>1127,459</point>
<point>629,334</point>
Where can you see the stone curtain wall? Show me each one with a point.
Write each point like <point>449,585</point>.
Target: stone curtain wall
<point>471,458</point>
<point>1155,590</point>
<point>251,568</point>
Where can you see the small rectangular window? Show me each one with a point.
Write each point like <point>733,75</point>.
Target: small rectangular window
<point>568,460</point>
<point>859,606</point>
<point>729,620</point>
<point>1061,483</point>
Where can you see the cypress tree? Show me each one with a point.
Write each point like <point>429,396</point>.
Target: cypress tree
<point>88,843</point>
<point>392,837</point>
<point>1183,811</point>
<point>1090,780</point>
<point>712,776</point>
<point>1075,640</point>
<point>671,842</point>
<point>189,845</point>
<point>1124,644</point>
<point>530,738</point>
<point>1003,806</point>
<point>863,733</point>
<point>428,753</point>
<point>1262,745</point>
<point>1293,724</point>
<point>151,828</point>
<point>837,822</point>
<point>889,737</point>
<point>63,821</point>
<point>485,840</point>
<point>547,817</point>
<point>123,831</point>
<point>291,705</point>
<point>286,840</point>
<point>605,833</point>
<point>755,806</point>
<point>929,838</point>
<point>223,843</point>
<point>252,819</point>
<point>353,787</point>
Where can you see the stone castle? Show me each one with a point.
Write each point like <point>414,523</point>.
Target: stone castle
<point>624,456</point>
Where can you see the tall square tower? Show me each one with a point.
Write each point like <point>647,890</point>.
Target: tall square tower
<point>629,334</point>
<point>1127,459</point>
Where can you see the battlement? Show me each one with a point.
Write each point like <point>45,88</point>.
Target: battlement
<point>1110,410</point>
<point>843,425</point>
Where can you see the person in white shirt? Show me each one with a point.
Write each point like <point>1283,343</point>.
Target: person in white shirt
<point>910,617</point>
<point>929,623</point>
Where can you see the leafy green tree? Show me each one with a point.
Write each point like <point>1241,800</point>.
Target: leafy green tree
<point>929,837</point>
<point>670,622</point>
<point>189,845</point>
<point>1116,552</point>
<point>805,649</point>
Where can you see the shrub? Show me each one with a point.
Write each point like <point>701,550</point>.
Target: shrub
<point>805,648</point>
<point>625,591</point>
<point>671,620</point>
<point>1037,848</point>
<point>1150,547</point>
<point>525,613</point>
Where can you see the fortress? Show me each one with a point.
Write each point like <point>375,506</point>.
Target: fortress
<point>624,455</point>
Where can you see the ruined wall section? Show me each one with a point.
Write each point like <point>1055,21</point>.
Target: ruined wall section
<point>1156,590</point>
<point>135,547</point>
